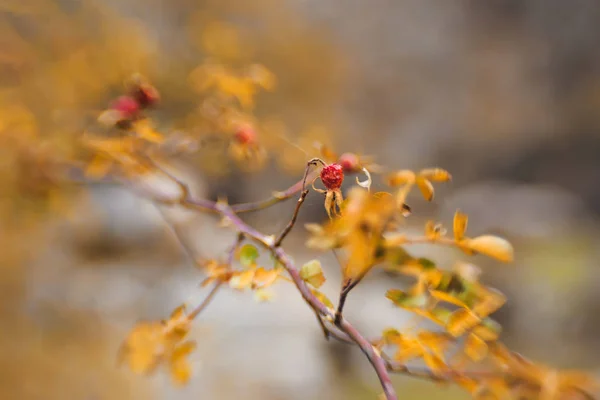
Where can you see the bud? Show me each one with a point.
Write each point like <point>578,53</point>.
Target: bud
<point>127,106</point>
<point>332,176</point>
<point>245,134</point>
<point>349,162</point>
<point>146,95</point>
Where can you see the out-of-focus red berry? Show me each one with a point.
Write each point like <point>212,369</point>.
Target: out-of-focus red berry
<point>332,176</point>
<point>245,134</point>
<point>146,95</point>
<point>349,162</point>
<point>127,106</point>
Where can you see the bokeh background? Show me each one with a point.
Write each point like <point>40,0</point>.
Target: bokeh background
<point>504,94</point>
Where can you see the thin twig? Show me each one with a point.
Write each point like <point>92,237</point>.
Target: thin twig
<point>205,302</point>
<point>217,286</point>
<point>367,348</point>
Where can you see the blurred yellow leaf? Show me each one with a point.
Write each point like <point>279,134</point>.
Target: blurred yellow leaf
<point>434,231</point>
<point>181,370</point>
<point>435,174</point>
<point>263,295</point>
<point>475,348</point>
<point>312,273</point>
<point>242,280</point>
<point>491,246</point>
<point>264,277</point>
<point>322,298</point>
<point>461,321</point>
<point>402,177</point>
<point>426,188</point>
<point>460,225</point>
<point>447,298</point>
<point>435,363</point>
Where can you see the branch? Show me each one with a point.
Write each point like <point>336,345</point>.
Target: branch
<point>367,348</point>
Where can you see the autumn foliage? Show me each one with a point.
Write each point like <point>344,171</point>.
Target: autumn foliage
<point>364,229</point>
<point>454,340</point>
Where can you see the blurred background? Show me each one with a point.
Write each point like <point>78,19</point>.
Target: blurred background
<point>503,93</point>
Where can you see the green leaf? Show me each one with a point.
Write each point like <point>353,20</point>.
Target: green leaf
<point>426,263</point>
<point>402,299</point>
<point>248,255</point>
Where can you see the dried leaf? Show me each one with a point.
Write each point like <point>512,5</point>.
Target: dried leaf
<point>475,348</point>
<point>367,183</point>
<point>322,298</point>
<point>263,295</point>
<point>264,277</point>
<point>435,363</point>
<point>436,174</point>
<point>491,246</point>
<point>312,273</point>
<point>401,178</point>
<point>460,225</point>
<point>180,368</point>
<point>446,298</point>
<point>461,321</point>
<point>489,330</point>
<point>242,280</point>
<point>426,188</point>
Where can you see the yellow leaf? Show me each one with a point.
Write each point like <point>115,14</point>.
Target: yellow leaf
<point>434,231</point>
<point>447,298</point>
<point>262,76</point>
<point>491,246</point>
<point>435,363</point>
<point>435,174</point>
<point>460,225</point>
<point>262,295</point>
<point>180,368</point>
<point>491,301</point>
<point>401,178</point>
<point>322,298</point>
<point>436,342</point>
<point>425,187</point>
<point>312,273</point>
<point>461,321</point>
<point>242,280</point>
<point>475,348</point>
<point>264,278</point>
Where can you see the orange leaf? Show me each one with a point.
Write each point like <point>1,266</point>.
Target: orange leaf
<point>491,301</point>
<point>400,178</point>
<point>460,225</point>
<point>436,174</point>
<point>475,348</point>
<point>447,298</point>
<point>242,280</point>
<point>435,363</point>
<point>461,321</point>
<point>426,188</point>
<point>264,278</point>
<point>491,246</point>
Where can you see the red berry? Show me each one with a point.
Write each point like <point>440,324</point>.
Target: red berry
<point>332,176</point>
<point>349,162</point>
<point>127,106</point>
<point>146,95</point>
<point>245,134</point>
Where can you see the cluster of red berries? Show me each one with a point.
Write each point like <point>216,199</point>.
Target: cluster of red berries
<point>127,108</point>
